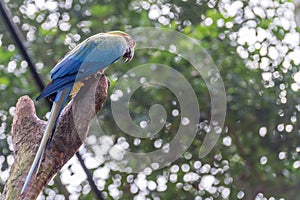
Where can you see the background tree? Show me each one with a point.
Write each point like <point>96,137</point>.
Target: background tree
<point>255,44</point>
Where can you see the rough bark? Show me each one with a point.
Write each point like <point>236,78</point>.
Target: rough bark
<point>72,128</point>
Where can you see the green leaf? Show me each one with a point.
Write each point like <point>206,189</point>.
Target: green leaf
<point>4,81</point>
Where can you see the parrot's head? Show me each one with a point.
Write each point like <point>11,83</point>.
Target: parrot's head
<point>129,52</point>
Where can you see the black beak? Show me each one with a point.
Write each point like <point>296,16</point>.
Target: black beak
<point>128,54</point>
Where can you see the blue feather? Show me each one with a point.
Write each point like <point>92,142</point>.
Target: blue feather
<point>90,56</point>
<point>57,97</point>
<point>56,85</point>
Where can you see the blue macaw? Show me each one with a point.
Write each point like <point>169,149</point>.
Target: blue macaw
<point>93,54</point>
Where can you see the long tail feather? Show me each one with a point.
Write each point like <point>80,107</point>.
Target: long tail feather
<point>55,112</point>
<point>61,108</point>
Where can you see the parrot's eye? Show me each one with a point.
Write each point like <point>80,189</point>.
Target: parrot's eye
<point>128,54</point>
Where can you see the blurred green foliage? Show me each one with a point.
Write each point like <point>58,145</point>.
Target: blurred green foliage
<point>257,154</point>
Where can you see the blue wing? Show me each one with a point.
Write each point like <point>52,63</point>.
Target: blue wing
<point>92,55</point>
<point>57,84</point>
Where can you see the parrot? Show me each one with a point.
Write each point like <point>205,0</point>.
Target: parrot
<point>90,56</point>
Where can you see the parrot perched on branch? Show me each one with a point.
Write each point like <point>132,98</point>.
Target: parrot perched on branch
<point>93,54</point>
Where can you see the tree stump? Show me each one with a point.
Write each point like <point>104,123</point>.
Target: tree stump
<point>70,133</point>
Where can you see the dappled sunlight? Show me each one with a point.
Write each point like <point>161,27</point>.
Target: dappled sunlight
<point>255,46</point>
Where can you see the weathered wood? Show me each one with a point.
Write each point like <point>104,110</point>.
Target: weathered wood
<point>71,131</point>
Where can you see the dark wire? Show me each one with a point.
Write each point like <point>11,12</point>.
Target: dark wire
<point>89,177</point>
<point>19,41</point>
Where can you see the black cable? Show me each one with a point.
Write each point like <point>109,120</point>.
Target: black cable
<point>89,177</point>
<point>19,41</point>
<point>18,38</point>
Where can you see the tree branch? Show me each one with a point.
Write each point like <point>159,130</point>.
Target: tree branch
<point>70,133</point>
